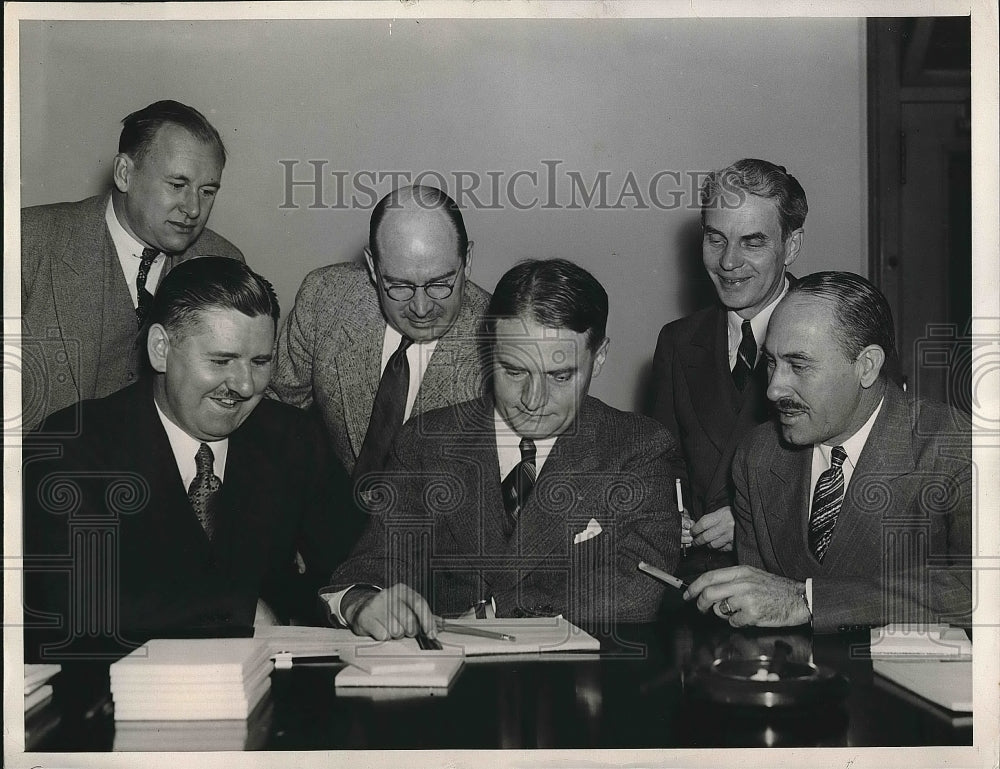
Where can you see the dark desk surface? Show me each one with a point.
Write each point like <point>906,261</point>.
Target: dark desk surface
<point>633,696</point>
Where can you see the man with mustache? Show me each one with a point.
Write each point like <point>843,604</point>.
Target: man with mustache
<point>534,500</point>
<point>89,269</point>
<point>175,505</point>
<point>371,348</point>
<point>853,507</point>
<point>708,374</point>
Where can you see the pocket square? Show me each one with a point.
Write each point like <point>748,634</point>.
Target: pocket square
<point>592,530</point>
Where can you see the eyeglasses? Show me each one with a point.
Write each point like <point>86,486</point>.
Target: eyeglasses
<point>404,292</point>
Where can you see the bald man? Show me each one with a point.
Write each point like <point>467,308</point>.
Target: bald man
<point>411,316</point>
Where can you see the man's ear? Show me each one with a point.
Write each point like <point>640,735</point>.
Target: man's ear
<point>870,361</point>
<point>468,260</point>
<point>121,171</point>
<point>370,262</point>
<point>601,355</point>
<point>158,347</point>
<point>793,244</point>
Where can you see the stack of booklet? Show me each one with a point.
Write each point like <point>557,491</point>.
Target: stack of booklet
<point>37,689</point>
<point>188,679</point>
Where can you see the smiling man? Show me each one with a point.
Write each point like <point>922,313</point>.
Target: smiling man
<point>853,507</point>
<point>535,500</point>
<point>371,347</point>
<point>176,505</point>
<point>89,269</point>
<point>708,375</point>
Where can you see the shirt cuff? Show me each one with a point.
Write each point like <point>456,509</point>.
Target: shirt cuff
<point>809,594</point>
<point>334,600</point>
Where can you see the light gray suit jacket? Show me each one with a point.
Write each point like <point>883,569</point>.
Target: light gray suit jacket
<point>329,353</point>
<point>67,259</point>
<point>902,547</point>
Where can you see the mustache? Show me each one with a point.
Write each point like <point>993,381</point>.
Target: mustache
<point>229,395</point>
<point>788,404</point>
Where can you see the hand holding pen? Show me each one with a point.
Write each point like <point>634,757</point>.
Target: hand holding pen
<point>686,521</point>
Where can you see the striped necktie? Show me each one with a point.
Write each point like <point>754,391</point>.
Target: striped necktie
<point>827,499</point>
<point>746,357</point>
<point>145,299</point>
<point>517,486</point>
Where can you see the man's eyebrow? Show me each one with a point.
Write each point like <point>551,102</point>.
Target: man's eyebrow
<point>755,236</point>
<point>795,356</point>
<point>712,230</point>
<point>221,354</point>
<point>185,178</point>
<point>567,370</point>
<point>404,281</point>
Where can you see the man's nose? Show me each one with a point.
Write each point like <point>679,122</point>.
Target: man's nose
<point>732,257</point>
<point>421,305</point>
<point>191,204</point>
<point>533,393</point>
<point>240,379</point>
<point>777,385</point>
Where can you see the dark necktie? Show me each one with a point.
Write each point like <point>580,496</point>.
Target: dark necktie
<point>517,486</point>
<point>746,356</point>
<point>827,499</point>
<point>203,493</point>
<point>387,413</point>
<point>145,298</point>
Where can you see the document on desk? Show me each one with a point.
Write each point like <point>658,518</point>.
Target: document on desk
<point>534,635</point>
<point>945,682</point>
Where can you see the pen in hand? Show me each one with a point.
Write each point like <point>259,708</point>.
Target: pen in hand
<point>684,516</point>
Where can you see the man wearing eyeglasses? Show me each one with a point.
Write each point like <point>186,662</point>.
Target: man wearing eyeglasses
<point>370,348</point>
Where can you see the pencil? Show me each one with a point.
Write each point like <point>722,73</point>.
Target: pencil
<point>460,629</point>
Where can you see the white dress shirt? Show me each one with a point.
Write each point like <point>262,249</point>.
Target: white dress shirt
<point>758,323</point>
<point>129,252</point>
<point>853,447</point>
<point>509,447</point>
<point>185,449</point>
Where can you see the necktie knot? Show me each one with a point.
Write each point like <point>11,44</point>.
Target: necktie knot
<point>205,459</point>
<point>527,447</point>
<point>149,255</point>
<point>837,456</point>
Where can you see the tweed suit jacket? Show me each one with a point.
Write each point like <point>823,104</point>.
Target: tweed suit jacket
<point>329,354</point>
<point>438,526</point>
<point>901,549</point>
<point>67,258</point>
<point>110,501</point>
<point>696,399</point>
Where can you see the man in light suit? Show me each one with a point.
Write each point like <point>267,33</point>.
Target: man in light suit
<point>537,500</point>
<point>178,504</point>
<point>708,376</point>
<point>853,509</point>
<point>89,268</point>
<point>347,323</point>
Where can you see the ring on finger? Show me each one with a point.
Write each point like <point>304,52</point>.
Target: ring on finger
<point>725,608</point>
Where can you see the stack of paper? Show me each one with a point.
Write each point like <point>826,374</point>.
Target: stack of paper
<point>37,690</point>
<point>933,662</point>
<point>244,734</point>
<point>191,679</point>
<point>381,665</point>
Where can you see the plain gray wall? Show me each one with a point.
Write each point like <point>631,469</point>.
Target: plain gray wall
<point>632,98</point>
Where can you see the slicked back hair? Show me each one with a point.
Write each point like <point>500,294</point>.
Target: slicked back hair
<point>555,293</point>
<point>207,283</point>
<point>139,129</point>
<point>726,188</point>
<point>862,314</point>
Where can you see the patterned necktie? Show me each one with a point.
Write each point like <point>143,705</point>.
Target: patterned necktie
<point>145,298</point>
<point>387,413</point>
<point>827,499</point>
<point>746,356</point>
<point>517,486</point>
<point>203,493</point>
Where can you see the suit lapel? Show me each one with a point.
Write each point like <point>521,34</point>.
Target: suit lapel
<point>713,394</point>
<point>887,455</point>
<point>87,252</point>
<point>360,362</point>
<point>785,475</point>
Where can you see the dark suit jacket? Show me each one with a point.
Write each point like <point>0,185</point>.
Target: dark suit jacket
<point>901,548</point>
<point>110,502</point>
<point>439,523</point>
<point>329,353</point>
<point>67,258</point>
<point>696,400</point>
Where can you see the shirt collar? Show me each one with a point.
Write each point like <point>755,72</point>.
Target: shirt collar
<point>185,448</point>
<point>758,322</point>
<point>508,445</point>
<point>854,445</point>
<point>125,243</point>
